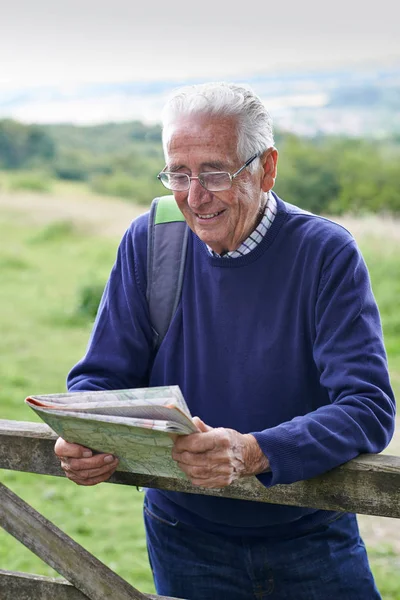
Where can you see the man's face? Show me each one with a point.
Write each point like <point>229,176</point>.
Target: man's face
<point>224,219</point>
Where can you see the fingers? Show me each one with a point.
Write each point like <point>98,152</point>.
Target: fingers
<point>82,466</point>
<point>201,426</point>
<point>203,459</point>
<point>90,480</point>
<point>213,459</point>
<point>63,448</point>
<point>203,442</point>
<point>194,442</point>
<point>215,473</point>
<point>212,477</point>
<point>97,461</point>
<point>89,476</point>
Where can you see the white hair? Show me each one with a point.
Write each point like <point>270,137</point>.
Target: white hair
<point>223,99</point>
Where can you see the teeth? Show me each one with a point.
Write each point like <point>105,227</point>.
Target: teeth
<point>210,216</point>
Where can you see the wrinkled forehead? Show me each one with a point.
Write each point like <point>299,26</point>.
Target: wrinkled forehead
<point>201,133</point>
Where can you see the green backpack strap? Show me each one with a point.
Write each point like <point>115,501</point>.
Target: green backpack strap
<point>166,253</point>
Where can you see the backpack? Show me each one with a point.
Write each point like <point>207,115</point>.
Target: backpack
<point>166,253</point>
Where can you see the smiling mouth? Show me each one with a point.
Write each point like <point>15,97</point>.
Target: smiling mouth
<point>209,215</point>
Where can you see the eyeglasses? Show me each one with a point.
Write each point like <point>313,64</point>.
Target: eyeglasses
<point>213,181</point>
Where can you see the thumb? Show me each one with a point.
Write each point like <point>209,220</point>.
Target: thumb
<point>201,426</point>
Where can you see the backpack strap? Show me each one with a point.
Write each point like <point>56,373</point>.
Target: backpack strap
<point>166,253</point>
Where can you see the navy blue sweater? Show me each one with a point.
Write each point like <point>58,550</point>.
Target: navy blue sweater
<point>285,343</point>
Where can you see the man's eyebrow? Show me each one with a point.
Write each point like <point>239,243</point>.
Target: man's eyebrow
<point>174,168</point>
<point>215,164</point>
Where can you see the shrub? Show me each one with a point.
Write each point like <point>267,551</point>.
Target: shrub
<point>139,189</point>
<point>55,231</point>
<point>30,181</point>
<point>21,144</point>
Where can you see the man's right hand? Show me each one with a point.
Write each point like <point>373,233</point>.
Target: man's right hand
<point>82,466</point>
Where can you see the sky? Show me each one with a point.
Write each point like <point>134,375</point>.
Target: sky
<point>49,42</point>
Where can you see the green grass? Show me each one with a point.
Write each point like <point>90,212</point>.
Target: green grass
<point>44,272</point>
<point>383,260</point>
<point>385,563</point>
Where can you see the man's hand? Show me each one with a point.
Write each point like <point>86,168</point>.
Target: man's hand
<point>82,466</point>
<point>216,457</point>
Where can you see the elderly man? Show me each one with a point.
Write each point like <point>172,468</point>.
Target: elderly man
<point>277,347</point>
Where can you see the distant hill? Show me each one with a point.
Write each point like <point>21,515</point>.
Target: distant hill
<point>359,101</point>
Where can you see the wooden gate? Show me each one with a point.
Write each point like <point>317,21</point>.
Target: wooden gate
<point>369,484</point>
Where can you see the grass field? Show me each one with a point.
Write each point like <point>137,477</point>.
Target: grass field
<point>51,247</point>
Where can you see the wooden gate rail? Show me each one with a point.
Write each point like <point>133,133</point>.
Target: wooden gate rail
<point>24,586</point>
<point>369,484</point>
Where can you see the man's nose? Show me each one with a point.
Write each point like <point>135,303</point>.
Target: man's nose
<point>197,194</point>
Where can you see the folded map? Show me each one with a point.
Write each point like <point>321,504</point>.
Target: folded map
<point>137,425</point>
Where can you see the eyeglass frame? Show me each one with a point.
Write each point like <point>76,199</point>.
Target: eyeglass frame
<point>190,177</point>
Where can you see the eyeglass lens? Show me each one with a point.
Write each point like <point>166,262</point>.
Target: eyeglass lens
<point>213,182</point>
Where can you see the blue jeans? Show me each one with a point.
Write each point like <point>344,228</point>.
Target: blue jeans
<point>328,562</point>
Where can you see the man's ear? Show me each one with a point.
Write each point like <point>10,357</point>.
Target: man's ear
<point>269,161</point>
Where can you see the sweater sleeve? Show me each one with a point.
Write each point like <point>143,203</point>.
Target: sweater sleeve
<point>349,353</point>
<point>119,350</point>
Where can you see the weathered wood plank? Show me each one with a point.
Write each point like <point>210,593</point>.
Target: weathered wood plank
<point>28,447</point>
<point>68,558</point>
<point>359,490</point>
<point>24,586</point>
<point>369,484</point>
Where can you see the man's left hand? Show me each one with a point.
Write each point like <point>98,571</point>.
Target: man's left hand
<point>217,456</point>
